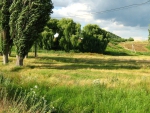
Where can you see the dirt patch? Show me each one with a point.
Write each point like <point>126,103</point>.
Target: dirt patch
<point>135,46</point>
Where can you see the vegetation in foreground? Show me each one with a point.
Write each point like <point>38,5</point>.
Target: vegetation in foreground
<point>77,82</point>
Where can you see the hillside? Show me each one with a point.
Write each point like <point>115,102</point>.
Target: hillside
<point>128,48</point>
<point>136,46</point>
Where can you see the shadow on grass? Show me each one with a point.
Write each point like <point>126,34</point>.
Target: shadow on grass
<point>16,69</point>
<point>75,67</point>
<point>67,63</point>
<point>115,53</point>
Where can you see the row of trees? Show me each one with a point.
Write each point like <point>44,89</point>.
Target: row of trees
<point>90,39</point>
<point>21,23</point>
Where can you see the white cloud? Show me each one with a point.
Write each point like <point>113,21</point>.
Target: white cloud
<point>126,23</point>
<point>77,11</point>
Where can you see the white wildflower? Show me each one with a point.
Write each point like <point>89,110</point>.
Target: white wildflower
<point>96,81</point>
<point>35,86</point>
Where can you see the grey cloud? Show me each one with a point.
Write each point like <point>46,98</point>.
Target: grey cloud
<point>135,16</point>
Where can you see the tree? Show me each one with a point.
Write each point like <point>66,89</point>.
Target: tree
<point>5,29</point>
<point>67,39</point>
<point>52,24</point>
<point>68,28</point>
<point>130,39</point>
<point>47,40</point>
<point>94,39</point>
<point>27,20</point>
<point>0,29</point>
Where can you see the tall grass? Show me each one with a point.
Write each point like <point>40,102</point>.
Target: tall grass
<point>15,99</point>
<point>76,83</point>
<point>96,98</point>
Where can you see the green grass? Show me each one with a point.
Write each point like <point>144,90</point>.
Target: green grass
<point>79,83</point>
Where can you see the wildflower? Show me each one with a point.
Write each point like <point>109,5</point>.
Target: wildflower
<point>35,86</point>
<point>33,92</point>
<point>96,81</point>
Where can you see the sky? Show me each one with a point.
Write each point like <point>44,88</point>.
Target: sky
<point>125,18</point>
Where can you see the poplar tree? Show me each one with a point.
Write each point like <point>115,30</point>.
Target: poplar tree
<point>6,40</point>
<point>27,20</point>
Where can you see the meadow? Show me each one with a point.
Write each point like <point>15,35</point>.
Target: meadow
<point>60,82</point>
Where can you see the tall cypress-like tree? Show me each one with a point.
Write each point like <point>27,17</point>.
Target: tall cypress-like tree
<point>0,28</point>
<point>27,20</point>
<point>5,29</point>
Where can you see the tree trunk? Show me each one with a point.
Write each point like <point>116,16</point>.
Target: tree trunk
<point>19,61</point>
<point>5,59</point>
<point>5,47</point>
<point>26,56</point>
<point>35,49</point>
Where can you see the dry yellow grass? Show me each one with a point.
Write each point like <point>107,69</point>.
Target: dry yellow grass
<point>80,69</point>
<point>136,45</point>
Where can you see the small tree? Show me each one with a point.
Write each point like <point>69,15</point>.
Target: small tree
<point>27,20</point>
<point>131,39</point>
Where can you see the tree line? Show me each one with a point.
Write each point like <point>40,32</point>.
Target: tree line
<point>91,38</point>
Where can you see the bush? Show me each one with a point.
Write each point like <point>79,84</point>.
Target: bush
<point>131,39</point>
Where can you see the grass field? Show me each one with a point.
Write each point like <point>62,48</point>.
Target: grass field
<point>81,82</point>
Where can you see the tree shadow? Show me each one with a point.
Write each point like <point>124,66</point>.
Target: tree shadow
<point>16,69</point>
<point>86,63</point>
<point>115,53</point>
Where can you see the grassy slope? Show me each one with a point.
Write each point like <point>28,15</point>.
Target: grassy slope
<point>87,82</point>
<point>129,48</point>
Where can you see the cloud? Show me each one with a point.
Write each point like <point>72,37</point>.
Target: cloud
<point>132,16</point>
<point>131,22</point>
<point>77,11</point>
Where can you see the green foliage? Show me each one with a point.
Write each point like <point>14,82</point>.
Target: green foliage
<point>68,31</point>
<point>131,39</point>
<point>27,20</point>
<point>95,98</point>
<point>115,39</point>
<point>68,28</point>
<point>21,100</point>
<point>6,41</point>
<point>79,83</point>
<point>116,50</point>
<point>75,41</point>
<point>47,39</point>
<point>90,39</point>
<point>94,39</point>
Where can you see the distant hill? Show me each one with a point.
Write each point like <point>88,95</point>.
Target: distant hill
<point>116,38</point>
